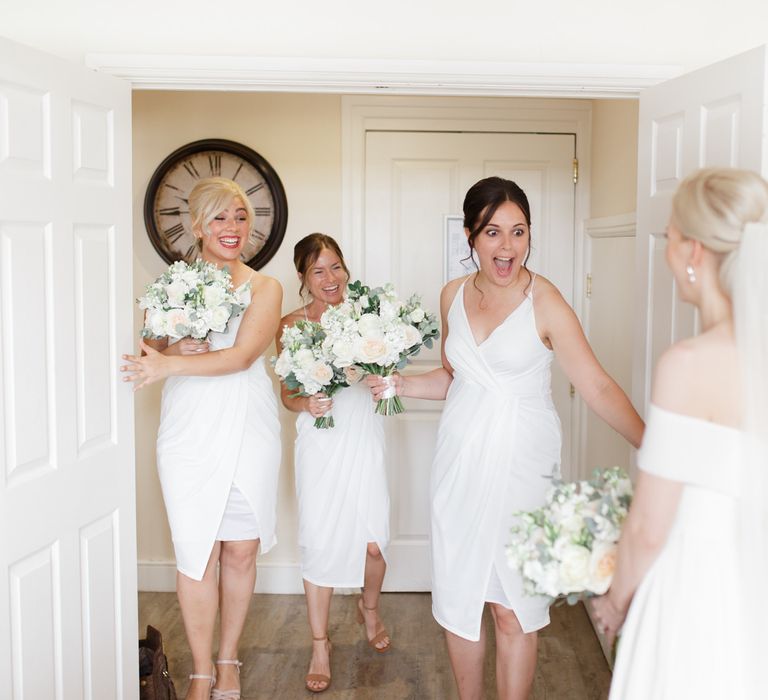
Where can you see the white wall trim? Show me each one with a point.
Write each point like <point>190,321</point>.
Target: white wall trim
<point>381,76</point>
<point>620,226</point>
<point>160,576</point>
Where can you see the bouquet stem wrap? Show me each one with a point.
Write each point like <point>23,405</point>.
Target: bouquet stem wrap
<point>390,403</point>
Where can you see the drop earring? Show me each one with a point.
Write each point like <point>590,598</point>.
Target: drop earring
<point>691,273</point>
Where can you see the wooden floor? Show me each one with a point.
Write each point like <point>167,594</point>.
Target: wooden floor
<point>275,651</point>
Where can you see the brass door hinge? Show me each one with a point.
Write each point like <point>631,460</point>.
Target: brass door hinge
<point>572,390</point>
<point>589,285</point>
<point>575,170</point>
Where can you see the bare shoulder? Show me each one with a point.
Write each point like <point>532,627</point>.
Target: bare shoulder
<point>548,302</point>
<point>290,318</point>
<point>265,285</point>
<point>699,376</point>
<point>448,293</point>
<point>544,291</point>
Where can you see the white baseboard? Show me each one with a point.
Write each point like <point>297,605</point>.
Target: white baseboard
<point>160,577</point>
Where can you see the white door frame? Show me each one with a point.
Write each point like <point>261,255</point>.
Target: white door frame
<point>362,114</point>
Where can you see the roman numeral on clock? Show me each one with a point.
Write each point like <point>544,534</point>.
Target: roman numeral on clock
<point>189,166</point>
<point>170,211</point>
<point>262,211</point>
<point>214,164</point>
<point>254,189</point>
<point>174,233</point>
<point>257,235</point>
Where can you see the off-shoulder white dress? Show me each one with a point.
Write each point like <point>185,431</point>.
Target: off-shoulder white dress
<point>218,457</point>
<point>682,636</point>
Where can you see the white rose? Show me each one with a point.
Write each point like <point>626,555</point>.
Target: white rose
<point>344,352</point>
<point>371,350</point>
<point>574,568</point>
<point>353,374</point>
<point>321,373</point>
<point>602,564</point>
<point>177,323</point>
<point>369,326</point>
<point>417,315</point>
<point>304,359</point>
<point>189,277</point>
<point>219,318</point>
<point>365,302</point>
<point>412,336</point>
<point>176,291</point>
<point>155,322</point>
<point>213,295</point>
<point>283,364</point>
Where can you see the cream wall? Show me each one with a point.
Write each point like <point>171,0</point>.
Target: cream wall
<point>614,157</point>
<point>300,136</point>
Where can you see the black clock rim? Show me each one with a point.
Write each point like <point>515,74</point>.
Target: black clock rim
<point>279,222</point>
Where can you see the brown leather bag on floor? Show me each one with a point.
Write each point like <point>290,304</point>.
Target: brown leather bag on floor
<point>155,683</point>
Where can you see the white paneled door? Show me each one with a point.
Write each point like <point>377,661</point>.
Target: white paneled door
<point>68,617</point>
<point>413,181</point>
<point>715,116</point>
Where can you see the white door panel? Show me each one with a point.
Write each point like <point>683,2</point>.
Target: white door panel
<point>413,180</point>
<point>67,497</point>
<point>711,117</point>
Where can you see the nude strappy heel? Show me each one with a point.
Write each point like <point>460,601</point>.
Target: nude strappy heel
<point>234,693</point>
<point>319,677</point>
<point>376,638</point>
<point>201,676</point>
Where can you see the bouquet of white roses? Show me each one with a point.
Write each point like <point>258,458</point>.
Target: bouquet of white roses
<point>305,368</point>
<point>189,299</point>
<point>568,546</point>
<point>378,332</point>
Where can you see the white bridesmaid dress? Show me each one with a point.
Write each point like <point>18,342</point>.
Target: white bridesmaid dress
<point>218,457</point>
<point>341,486</point>
<point>682,637</point>
<point>499,440</point>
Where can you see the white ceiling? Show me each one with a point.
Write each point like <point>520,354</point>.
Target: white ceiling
<point>683,34</point>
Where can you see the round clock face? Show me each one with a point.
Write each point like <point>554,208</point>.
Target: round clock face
<point>166,205</point>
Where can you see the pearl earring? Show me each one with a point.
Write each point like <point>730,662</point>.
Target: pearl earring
<point>691,273</point>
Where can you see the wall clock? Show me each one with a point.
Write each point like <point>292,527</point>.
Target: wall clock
<point>166,210</point>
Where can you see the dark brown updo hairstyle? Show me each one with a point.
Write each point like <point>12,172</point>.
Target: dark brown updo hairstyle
<point>482,201</point>
<point>307,251</point>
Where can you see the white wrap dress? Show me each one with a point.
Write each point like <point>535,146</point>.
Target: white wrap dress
<point>683,636</point>
<point>499,440</point>
<point>218,446</point>
<point>341,486</point>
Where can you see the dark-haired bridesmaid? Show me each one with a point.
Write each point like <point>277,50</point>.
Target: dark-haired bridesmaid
<point>499,437</point>
<point>341,482</point>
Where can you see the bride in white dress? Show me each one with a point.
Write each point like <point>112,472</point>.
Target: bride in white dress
<point>218,445</point>
<point>341,480</point>
<point>499,436</point>
<point>692,557</point>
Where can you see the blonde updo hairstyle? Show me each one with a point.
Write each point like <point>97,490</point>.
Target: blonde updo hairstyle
<point>210,197</point>
<point>714,205</point>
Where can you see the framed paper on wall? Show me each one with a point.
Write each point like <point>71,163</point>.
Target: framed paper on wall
<point>456,254</point>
